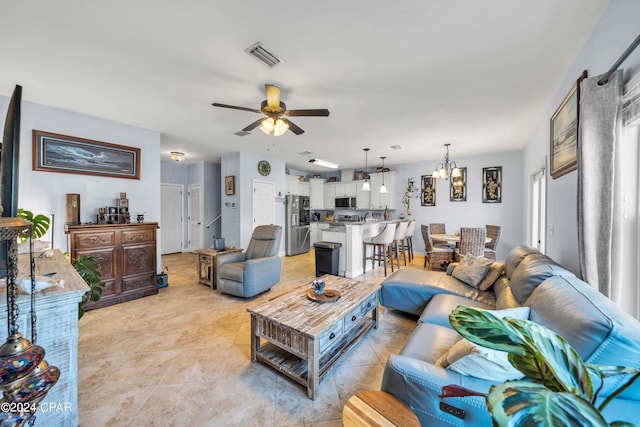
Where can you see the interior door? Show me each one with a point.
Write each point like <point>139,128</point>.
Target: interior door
<point>195,217</point>
<point>538,210</point>
<point>171,222</point>
<point>264,203</point>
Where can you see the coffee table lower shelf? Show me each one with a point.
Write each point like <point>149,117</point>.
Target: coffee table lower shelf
<point>297,368</point>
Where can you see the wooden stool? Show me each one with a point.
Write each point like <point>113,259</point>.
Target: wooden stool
<point>377,408</point>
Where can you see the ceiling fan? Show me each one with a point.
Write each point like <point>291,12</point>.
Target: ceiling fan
<point>276,111</point>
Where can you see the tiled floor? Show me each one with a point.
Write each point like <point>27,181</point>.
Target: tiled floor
<point>181,358</point>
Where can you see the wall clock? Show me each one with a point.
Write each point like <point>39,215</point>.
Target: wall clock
<point>264,168</point>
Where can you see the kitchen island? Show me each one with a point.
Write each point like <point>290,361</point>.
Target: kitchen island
<point>350,235</point>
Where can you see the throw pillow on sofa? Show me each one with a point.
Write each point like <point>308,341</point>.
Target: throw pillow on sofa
<point>471,270</point>
<point>473,360</point>
<point>495,271</point>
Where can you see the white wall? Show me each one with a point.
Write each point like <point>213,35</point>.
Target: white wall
<point>45,192</point>
<point>237,224</point>
<point>617,28</point>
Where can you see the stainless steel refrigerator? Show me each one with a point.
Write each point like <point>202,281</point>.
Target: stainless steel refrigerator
<point>297,225</point>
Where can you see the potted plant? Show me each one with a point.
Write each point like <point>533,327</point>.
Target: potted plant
<point>89,270</point>
<point>560,389</point>
<point>40,223</point>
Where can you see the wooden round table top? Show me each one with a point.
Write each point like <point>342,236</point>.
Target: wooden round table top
<point>377,408</point>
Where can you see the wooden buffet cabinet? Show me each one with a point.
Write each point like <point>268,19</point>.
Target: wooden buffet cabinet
<point>126,254</point>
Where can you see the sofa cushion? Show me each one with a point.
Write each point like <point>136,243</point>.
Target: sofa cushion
<point>472,269</point>
<point>495,271</point>
<point>471,359</point>
<point>441,306</point>
<point>531,272</point>
<point>504,296</point>
<point>428,342</point>
<point>516,255</point>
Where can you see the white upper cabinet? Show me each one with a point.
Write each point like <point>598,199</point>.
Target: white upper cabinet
<point>383,200</point>
<point>330,195</point>
<point>316,193</point>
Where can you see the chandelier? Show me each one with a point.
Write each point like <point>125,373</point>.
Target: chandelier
<point>446,168</point>
<point>177,156</point>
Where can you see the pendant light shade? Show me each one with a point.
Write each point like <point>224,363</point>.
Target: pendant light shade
<point>383,188</point>
<point>365,185</point>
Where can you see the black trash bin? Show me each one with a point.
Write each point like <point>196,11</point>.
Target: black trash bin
<point>327,258</point>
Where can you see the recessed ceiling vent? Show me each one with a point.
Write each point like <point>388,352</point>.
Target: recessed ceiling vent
<point>305,153</point>
<point>396,147</point>
<point>266,57</point>
<point>242,133</point>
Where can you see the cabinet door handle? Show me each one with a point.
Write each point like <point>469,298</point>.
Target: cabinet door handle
<point>332,336</point>
<point>369,304</point>
<point>353,319</point>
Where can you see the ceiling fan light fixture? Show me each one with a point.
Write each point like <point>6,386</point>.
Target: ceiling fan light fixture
<point>267,125</point>
<point>324,163</point>
<point>177,156</point>
<point>280,128</point>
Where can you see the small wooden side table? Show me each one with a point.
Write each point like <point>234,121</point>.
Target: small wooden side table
<point>207,265</point>
<point>377,408</point>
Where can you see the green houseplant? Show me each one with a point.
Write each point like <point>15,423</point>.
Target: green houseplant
<point>40,222</point>
<point>89,270</point>
<point>561,390</point>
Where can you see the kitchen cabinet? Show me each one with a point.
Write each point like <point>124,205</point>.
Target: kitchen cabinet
<point>316,193</point>
<point>315,231</point>
<point>345,189</point>
<point>383,200</point>
<point>363,198</point>
<point>295,187</point>
<point>330,195</point>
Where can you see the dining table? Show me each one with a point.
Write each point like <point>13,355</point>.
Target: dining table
<point>455,238</point>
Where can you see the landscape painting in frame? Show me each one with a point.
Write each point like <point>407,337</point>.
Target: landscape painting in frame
<point>492,185</point>
<point>458,187</point>
<point>428,190</point>
<point>564,132</point>
<point>67,154</point>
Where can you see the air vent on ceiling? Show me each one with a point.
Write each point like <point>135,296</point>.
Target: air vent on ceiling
<point>396,147</point>
<point>305,153</point>
<point>266,57</point>
<point>241,133</point>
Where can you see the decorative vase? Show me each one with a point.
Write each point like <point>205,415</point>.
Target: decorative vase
<point>387,215</point>
<point>409,211</point>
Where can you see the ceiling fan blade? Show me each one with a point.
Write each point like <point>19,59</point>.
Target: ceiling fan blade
<point>314,112</point>
<point>235,107</point>
<point>273,96</point>
<point>253,125</point>
<point>293,127</point>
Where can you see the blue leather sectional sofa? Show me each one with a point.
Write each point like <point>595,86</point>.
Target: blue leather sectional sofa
<point>597,328</point>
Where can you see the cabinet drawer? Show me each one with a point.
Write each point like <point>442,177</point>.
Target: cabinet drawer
<point>137,236</point>
<point>369,304</point>
<point>330,336</point>
<point>94,240</point>
<point>352,319</point>
<point>130,284</point>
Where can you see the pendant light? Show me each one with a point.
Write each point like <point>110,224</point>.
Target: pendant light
<point>383,188</point>
<point>365,185</point>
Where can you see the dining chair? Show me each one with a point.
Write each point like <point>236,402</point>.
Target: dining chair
<point>438,228</point>
<point>440,255</point>
<point>493,232</point>
<point>471,242</point>
<point>398,243</point>
<point>380,247</point>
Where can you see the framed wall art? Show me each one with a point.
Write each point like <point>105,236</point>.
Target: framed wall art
<point>230,185</point>
<point>428,196</point>
<point>565,126</point>
<point>458,187</point>
<point>492,185</point>
<point>67,154</point>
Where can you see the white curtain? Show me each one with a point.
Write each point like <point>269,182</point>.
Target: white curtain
<point>600,121</point>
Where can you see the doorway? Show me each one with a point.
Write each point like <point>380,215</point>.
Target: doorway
<point>195,212</point>
<point>264,203</point>
<point>538,209</point>
<point>171,218</point>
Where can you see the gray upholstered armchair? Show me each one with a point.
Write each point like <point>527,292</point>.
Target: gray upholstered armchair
<point>245,274</point>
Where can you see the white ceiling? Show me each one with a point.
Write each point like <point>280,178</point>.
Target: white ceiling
<point>416,73</point>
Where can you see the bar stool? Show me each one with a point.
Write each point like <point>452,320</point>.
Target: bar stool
<point>381,247</point>
<point>408,240</point>
<point>398,242</point>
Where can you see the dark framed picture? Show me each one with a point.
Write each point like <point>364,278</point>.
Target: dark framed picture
<point>230,185</point>
<point>67,154</point>
<point>428,191</point>
<point>565,126</point>
<point>458,187</point>
<point>492,185</point>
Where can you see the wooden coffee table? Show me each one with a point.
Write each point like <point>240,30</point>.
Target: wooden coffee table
<point>306,339</point>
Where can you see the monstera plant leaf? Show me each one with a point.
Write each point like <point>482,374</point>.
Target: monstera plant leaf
<point>525,403</point>
<point>534,350</point>
<point>40,222</point>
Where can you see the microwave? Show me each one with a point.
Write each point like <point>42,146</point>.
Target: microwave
<point>345,202</point>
